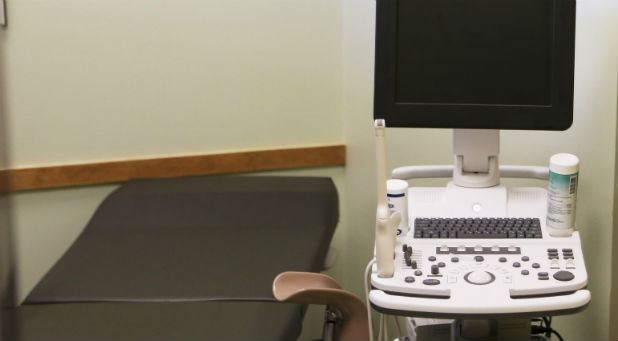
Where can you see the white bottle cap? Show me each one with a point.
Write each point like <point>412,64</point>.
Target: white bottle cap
<point>564,163</point>
<point>396,186</point>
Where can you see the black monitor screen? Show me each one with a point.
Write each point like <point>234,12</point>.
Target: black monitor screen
<point>495,64</point>
<point>445,57</point>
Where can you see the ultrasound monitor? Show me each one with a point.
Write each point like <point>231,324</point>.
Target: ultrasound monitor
<point>475,64</point>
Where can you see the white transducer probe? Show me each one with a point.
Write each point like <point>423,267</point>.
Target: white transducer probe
<point>385,222</point>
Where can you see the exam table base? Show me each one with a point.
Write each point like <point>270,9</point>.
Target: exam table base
<point>154,321</point>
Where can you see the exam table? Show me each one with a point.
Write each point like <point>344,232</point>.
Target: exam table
<point>185,258</point>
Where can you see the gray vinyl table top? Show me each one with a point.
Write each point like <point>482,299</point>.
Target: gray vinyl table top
<point>205,238</point>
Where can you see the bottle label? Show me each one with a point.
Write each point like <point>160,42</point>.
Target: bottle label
<point>561,197</point>
<point>399,203</point>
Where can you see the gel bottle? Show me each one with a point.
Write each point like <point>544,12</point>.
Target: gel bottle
<point>562,194</point>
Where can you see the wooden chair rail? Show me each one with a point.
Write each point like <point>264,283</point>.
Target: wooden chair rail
<point>119,171</point>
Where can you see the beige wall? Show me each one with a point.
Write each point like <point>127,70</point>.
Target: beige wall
<point>97,80</point>
<point>592,137</point>
<point>613,298</point>
<point>6,257</point>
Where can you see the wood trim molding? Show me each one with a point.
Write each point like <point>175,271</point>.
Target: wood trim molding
<point>119,171</point>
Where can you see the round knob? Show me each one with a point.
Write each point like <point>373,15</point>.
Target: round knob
<point>479,277</point>
<point>564,276</point>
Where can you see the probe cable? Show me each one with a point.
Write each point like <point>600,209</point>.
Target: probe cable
<point>367,269</point>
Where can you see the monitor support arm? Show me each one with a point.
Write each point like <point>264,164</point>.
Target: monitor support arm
<point>476,157</point>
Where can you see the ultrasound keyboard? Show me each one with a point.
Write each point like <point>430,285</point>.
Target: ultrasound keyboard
<point>489,228</point>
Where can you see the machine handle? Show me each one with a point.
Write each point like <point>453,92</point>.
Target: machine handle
<point>446,171</point>
<point>531,306</point>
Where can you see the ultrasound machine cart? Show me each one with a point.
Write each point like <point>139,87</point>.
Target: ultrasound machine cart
<point>474,251</point>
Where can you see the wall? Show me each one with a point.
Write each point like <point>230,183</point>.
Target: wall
<point>592,137</point>
<point>105,80</point>
<point>91,80</point>
<point>613,298</point>
<point>614,293</point>
<point>138,78</point>
<point>6,257</point>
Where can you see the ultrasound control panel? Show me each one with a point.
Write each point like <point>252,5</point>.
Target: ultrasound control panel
<point>481,253</point>
<point>483,277</point>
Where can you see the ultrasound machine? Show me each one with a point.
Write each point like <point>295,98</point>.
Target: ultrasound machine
<point>475,252</point>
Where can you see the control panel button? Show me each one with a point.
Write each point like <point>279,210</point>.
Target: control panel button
<point>525,272</point>
<point>441,264</point>
<point>516,265</point>
<point>432,258</point>
<point>502,259</point>
<point>525,258</point>
<point>435,270</point>
<point>455,259</point>
<point>418,273</point>
<point>413,264</point>
<point>431,281</point>
<point>536,265</point>
<point>564,276</point>
<point>479,258</point>
<point>409,279</point>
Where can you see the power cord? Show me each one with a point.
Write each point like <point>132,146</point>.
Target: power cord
<point>367,269</point>
<point>545,328</point>
<point>385,326</point>
<point>557,335</point>
<point>401,333</point>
